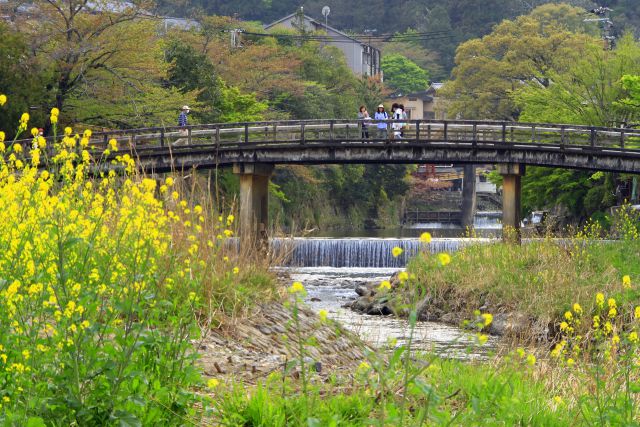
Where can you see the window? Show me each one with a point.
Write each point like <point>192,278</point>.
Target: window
<point>429,115</point>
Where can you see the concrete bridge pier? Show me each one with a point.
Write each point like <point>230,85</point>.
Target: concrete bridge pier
<point>468,196</point>
<point>254,202</point>
<point>511,200</point>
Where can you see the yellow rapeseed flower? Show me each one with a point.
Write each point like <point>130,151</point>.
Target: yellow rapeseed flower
<point>626,281</point>
<point>444,258</point>
<point>570,362</point>
<point>236,270</point>
<point>613,312</point>
<point>568,315</point>
<point>169,181</point>
<point>213,383</point>
<point>34,132</point>
<point>297,288</point>
<point>363,367</point>
<point>396,252</point>
<point>636,312</point>
<point>2,136</point>
<point>68,131</point>
<point>322,314</point>
<point>488,318</point>
<point>600,299</point>
<point>55,112</point>
<point>113,144</point>
<point>633,337</point>
<point>3,99</point>
<point>482,339</point>
<point>403,276</point>
<point>615,340</point>
<point>531,359</point>
<point>384,285</point>
<point>612,303</point>
<point>425,237</point>
<point>53,119</point>
<point>24,118</point>
<point>577,308</point>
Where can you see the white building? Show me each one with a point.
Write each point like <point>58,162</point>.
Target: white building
<point>363,59</point>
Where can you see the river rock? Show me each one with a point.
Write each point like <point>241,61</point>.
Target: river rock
<point>451,318</point>
<point>509,324</point>
<point>364,291</point>
<point>379,309</point>
<point>362,304</point>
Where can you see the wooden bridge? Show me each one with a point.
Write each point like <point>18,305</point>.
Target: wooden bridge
<point>253,149</point>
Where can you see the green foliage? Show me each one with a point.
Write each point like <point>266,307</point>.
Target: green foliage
<point>590,92</point>
<point>22,80</point>
<point>631,84</point>
<point>237,107</point>
<point>404,75</point>
<point>191,71</point>
<point>526,52</point>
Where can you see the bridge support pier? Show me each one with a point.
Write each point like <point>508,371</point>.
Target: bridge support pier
<point>254,202</point>
<point>511,200</point>
<point>468,196</point>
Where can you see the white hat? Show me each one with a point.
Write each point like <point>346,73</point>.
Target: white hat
<point>380,106</point>
<point>186,107</point>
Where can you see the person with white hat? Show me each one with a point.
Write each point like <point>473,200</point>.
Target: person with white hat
<point>182,122</point>
<point>382,125</point>
<point>182,118</point>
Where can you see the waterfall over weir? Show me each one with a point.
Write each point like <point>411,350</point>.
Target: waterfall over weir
<point>324,252</point>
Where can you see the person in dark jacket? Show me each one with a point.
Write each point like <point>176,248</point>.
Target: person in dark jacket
<point>363,115</point>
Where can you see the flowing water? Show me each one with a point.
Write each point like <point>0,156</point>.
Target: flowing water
<point>331,269</point>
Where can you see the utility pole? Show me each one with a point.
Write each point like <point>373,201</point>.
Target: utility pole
<point>606,25</point>
<point>235,38</point>
<point>372,59</point>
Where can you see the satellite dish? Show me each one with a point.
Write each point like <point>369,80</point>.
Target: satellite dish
<point>326,11</point>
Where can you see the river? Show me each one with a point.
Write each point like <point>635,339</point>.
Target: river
<point>332,268</point>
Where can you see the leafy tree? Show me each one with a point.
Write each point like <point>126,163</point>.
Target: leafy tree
<point>404,75</point>
<point>22,80</point>
<point>80,38</point>
<point>526,51</point>
<point>591,91</point>
<point>631,84</point>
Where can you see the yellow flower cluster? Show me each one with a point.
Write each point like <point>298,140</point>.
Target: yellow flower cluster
<point>85,259</point>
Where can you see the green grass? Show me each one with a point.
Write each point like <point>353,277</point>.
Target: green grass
<point>541,279</point>
<point>454,392</point>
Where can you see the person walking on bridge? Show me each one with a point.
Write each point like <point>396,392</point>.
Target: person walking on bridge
<point>381,116</point>
<point>183,123</point>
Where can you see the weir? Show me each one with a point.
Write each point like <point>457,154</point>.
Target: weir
<point>363,253</point>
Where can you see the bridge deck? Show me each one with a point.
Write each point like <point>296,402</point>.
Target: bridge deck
<point>341,141</point>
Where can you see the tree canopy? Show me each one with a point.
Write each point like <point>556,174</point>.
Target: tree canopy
<point>404,75</point>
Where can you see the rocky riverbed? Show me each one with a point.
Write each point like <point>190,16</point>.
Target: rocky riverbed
<point>448,309</point>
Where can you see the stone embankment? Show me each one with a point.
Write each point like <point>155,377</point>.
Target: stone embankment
<point>451,309</point>
<point>251,348</point>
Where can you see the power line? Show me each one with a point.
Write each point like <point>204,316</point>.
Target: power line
<point>397,38</point>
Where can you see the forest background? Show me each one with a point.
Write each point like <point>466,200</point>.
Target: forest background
<point>111,65</point>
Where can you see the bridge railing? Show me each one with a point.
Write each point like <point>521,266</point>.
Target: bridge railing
<point>350,131</point>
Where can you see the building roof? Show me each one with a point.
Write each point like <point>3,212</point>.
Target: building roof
<point>422,95</point>
<point>318,23</point>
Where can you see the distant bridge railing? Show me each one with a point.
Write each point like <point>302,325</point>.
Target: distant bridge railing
<point>342,141</point>
<point>416,216</point>
<point>321,131</point>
